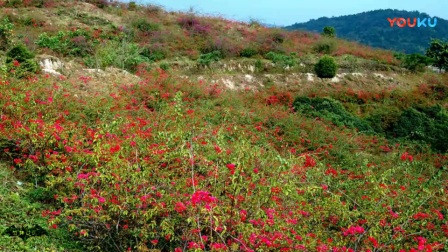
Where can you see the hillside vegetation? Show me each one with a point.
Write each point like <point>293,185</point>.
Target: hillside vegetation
<point>130,128</point>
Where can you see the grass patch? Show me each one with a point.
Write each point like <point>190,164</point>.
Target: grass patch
<point>22,227</point>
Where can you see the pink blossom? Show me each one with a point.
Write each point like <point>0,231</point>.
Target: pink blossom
<point>202,197</point>
<point>101,199</point>
<point>83,176</point>
<point>353,230</point>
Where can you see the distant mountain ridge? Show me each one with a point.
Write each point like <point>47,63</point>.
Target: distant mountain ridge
<point>373,29</point>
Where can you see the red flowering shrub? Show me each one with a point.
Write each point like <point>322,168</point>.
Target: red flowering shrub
<point>130,177</point>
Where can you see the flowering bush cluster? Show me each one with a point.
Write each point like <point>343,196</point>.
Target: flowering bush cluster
<point>185,174</point>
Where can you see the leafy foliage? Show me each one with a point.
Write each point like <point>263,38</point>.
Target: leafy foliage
<point>415,62</point>
<point>281,59</point>
<point>438,52</point>
<point>20,61</point>
<point>5,33</point>
<point>207,58</point>
<point>329,31</point>
<point>144,26</point>
<point>124,55</point>
<point>326,67</point>
<point>248,52</point>
<point>74,43</point>
<point>22,227</point>
<point>325,46</point>
<point>329,109</point>
<point>153,54</point>
<point>429,125</point>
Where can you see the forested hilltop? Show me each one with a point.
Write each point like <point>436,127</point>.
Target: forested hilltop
<point>373,29</point>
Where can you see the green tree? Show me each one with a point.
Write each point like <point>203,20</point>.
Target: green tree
<point>329,31</point>
<point>326,67</point>
<point>438,52</point>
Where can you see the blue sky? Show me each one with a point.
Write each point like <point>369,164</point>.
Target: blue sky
<point>286,12</point>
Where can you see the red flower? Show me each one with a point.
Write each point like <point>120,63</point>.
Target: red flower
<point>115,149</point>
<point>218,246</point>
<point>309,162</point>
<point>439,214</point>
<point>373,241</point>
<point>243,215</point>
<point>406,156</point>
<point>68,149</point>
<point>180,207</point>
<point>16,63</point>
<point>231,168</point>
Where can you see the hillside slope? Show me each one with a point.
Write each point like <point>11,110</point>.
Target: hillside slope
<point>372,28</point>
<point>130,128</point>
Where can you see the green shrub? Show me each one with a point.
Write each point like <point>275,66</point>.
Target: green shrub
<point>164,66</point>
<point>329,109</point>
<point>259,66</point>
<point>248,52</point>
<point>325,46</point>
<point>429,125</point>
<point>415,62</point>
<point>19,53</point>
<point>22,226</point>
<point>132,6</point>
<point>74,43</point>
<point>20,62</point>
<point>144,26</point>
<point>153,54</point>
<point>5,33</point>
<point>123,55</point>
<point>326,67</point>
<point>382,121</point>
<point>329,31</point>
<point>25,232</point>
<point>207,58</point>
<point>281,59</point>
<point>40,194</point>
